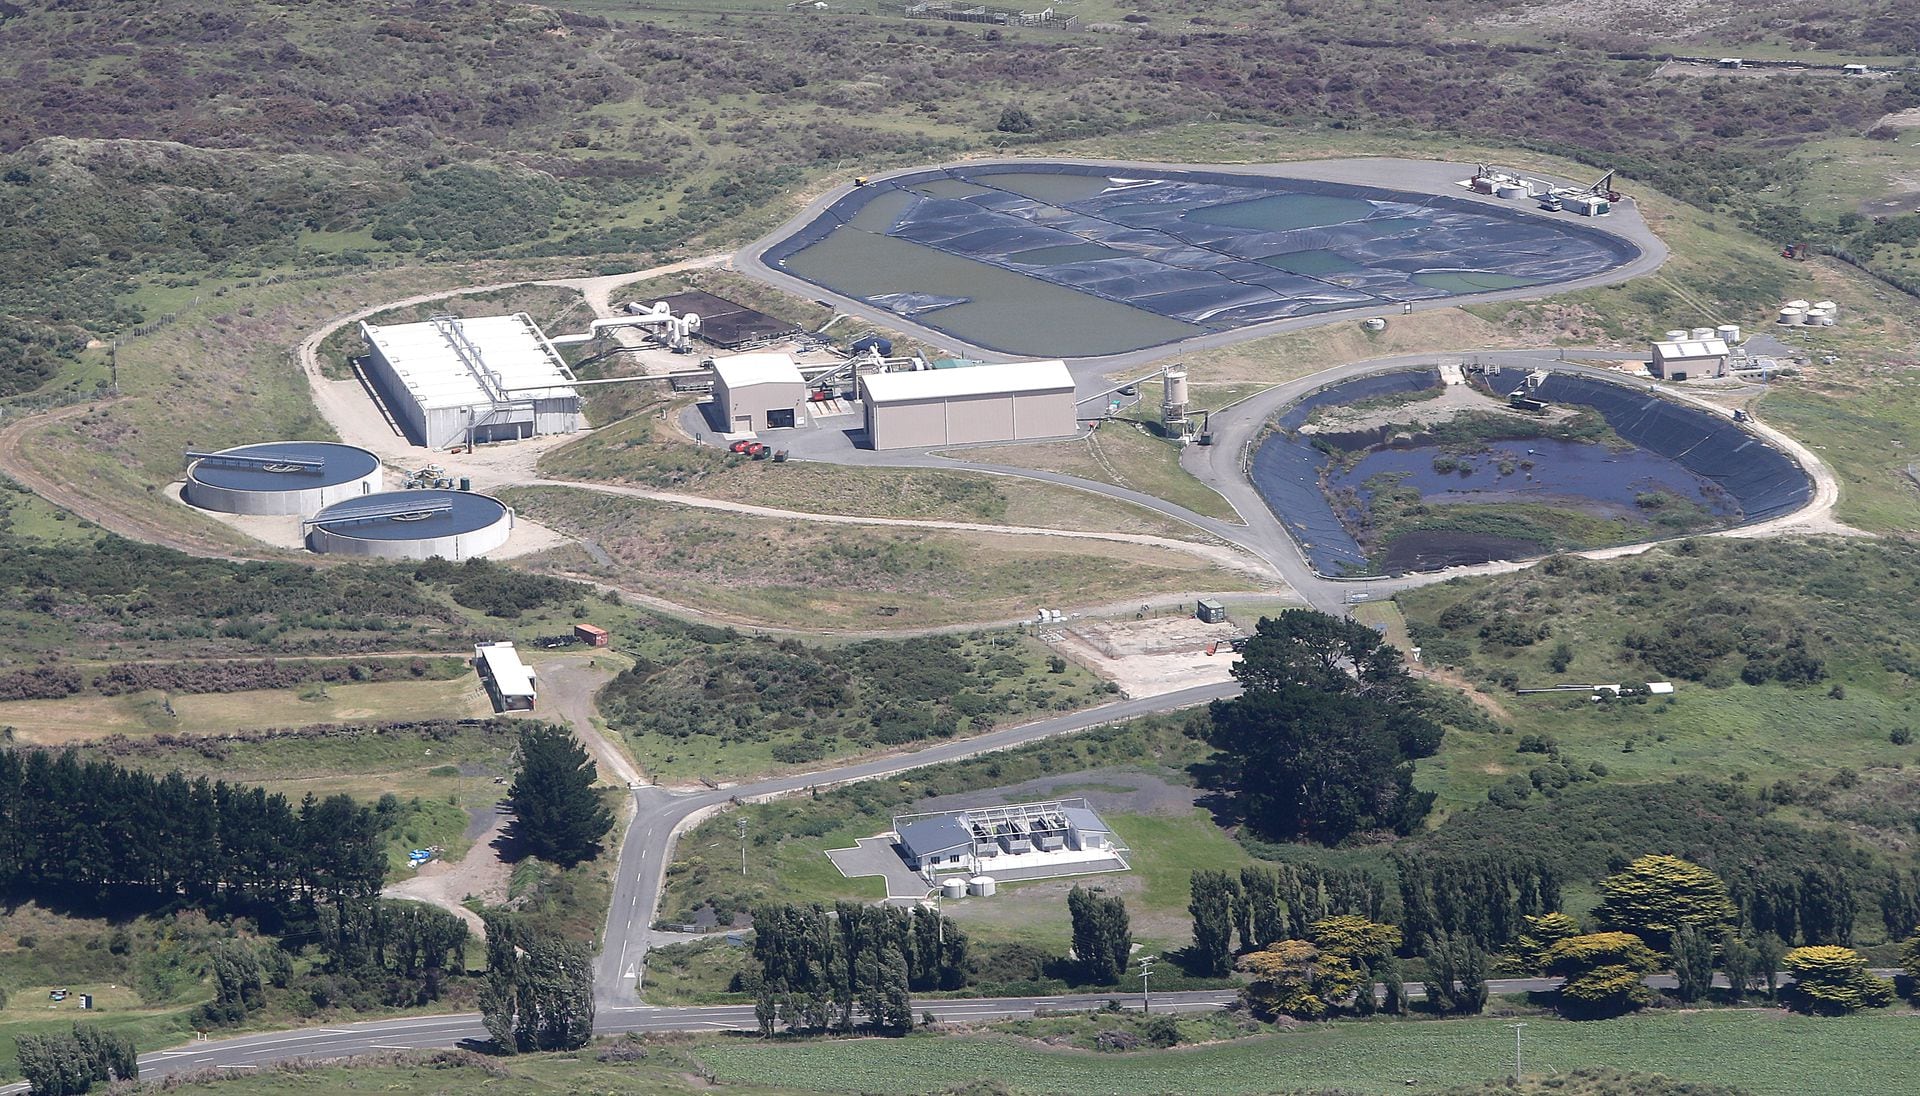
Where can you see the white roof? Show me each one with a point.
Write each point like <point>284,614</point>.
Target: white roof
<point>1691,348</point>
<point>742,370</point>
<point>509,674</point>
<point>437,374</point>
<point>1010,378</point>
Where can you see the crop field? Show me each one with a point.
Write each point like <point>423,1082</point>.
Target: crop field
<point>1765,1051</point>
<point>836,577</point>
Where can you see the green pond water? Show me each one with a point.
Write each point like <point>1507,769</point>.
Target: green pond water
<point>1280,212</point>
<point>1469,281</point>
<point>1005,311</point>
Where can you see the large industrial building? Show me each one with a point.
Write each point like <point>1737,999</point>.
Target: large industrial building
<point>451,382</point>
<point>966,406</point>
<point>1027,840</point>
<point>754,392</point>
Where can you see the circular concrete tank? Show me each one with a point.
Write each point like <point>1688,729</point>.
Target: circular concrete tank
<point>981,886</point>
<point>954,887</point>
<point>281,477</point>
<point>412,525</point>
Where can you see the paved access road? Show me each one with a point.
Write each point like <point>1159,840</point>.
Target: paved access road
<point>659,814</point>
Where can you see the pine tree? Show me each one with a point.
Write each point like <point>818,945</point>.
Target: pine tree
<point>1656,896</point>
<point>559,817</point>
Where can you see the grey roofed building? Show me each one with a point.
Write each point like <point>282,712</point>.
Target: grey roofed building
<point>940,839</point>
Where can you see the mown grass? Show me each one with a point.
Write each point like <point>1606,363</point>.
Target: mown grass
<point>1768,1052</point>
<point>1123,452</point>
<point>815,576</point>
<point>645,449</point>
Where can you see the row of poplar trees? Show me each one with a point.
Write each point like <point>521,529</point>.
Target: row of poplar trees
<point>1269,904</point>
<point>820,968</point>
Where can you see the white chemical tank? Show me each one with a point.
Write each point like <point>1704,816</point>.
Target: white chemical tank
<point>1678,334</point>
<point>955,887</point>
<point>1728,333</point>
<point>1816,317</point>
<point>1801,305</point>
<point>1510,189</point>
<point>981,886</point>
<point>1791,315</point>
<point>1177,387</point>
<point>1700,333</point>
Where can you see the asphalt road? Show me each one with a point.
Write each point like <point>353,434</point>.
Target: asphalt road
<point>660,813</point>
<point>434,1032</point>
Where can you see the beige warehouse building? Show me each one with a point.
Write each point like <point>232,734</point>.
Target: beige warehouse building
<point>1694,359</point>
<point>982,403</point>
<point>755,392</point>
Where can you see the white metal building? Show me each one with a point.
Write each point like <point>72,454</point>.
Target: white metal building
<point>509,681</point>
<point>981,403</point>
<point>490,378</point>
<point>755,392</point>
<point>1690,359</point>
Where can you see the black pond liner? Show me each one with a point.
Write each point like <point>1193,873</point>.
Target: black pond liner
<point>1221,277</point>
<point>1761,479</point>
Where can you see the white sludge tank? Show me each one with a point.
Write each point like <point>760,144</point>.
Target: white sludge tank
<point>280,477</point>
<point>412,525</point>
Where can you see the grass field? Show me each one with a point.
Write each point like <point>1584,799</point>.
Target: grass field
<point>1119,452</point>
<point>1766,1051</point>
<point>81,718</point>
<point>800,574</point>
<point>644,449</point>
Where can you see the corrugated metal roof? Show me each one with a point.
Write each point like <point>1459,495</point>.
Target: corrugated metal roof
<point>1691,348</point>
<point>509,674</point>
<point>436,375</point>
<point>1010,378</point>
<point>742,370</point>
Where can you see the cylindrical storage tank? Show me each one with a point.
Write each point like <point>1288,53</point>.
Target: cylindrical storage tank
<point>281,477</point>
<point>412,525</point>
<point>1814,317</point>
<point>1509,189</point>
<point>1828,305</point>
<point>1678,334</point>
<point>1801,305</point>
<point>955,887</point>
<point>1728,333</point>
<point>1702,333</point>
<point>981,886</point>
<point>1177,387</point>
<point>1791,315</point>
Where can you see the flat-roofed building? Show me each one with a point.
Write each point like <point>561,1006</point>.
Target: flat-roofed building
<point>509,681</point>
<point>1690,359</point>
<point>755,392</point>
<point>449,381</point>
<point>970,405</point>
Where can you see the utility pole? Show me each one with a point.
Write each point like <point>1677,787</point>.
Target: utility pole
<point>743,846</point>
<point>1516,1051</point>
<point>1146,968</point>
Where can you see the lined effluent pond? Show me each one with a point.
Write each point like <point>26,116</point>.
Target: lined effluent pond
<point>1395,472</point>
<point>1062,260</point>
